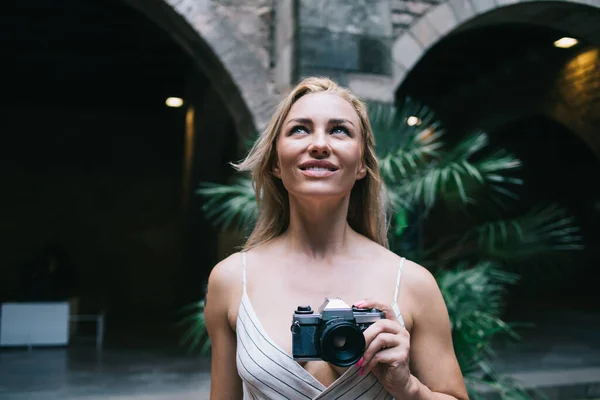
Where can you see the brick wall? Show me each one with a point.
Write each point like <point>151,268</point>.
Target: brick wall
<point>405,12</point>
<point>566,88</point>
<point>575,96</point>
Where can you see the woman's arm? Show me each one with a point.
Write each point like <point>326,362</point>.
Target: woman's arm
<point>225,381</point>
<point>433,363</point>
<point>420,365</point>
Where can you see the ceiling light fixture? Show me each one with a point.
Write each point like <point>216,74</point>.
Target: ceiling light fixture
<point>174,101</point>
<point>565,42</point>
<point>413,121</point>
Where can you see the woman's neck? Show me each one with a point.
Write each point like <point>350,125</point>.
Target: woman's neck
<point>318,229</point>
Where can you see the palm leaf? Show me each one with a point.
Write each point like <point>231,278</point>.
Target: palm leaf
<point>401,147</point>
<point>391,128</point>
<point>230,205</point>
<point>414,162</point>
<point>196,334</point>
<point>460,173</point>
<point>541,232</point>
<point>474,298</point>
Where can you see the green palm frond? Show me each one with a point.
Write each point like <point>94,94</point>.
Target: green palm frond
<point>409,159</point>
<point>542,231</point>
<point>474,298</point>
<point>391,125</point>
<point>196,335</point>
<point>457,174</point>
<point>403,148</point>
<point>230,204</point>
<point>416,164</point>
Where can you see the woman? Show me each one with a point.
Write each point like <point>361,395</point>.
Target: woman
<point>321,232</point>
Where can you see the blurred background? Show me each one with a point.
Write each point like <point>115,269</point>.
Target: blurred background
<point>115,112</point>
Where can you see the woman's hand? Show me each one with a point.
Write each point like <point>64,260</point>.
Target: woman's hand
<point>387,350</point>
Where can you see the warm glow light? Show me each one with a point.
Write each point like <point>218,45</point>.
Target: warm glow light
<point>174,102</point>
<point>413,121</point>
<point>565,42</point>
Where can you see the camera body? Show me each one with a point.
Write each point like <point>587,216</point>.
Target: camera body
<point>333,334</point>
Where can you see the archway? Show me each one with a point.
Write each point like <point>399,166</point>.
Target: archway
<point>100,166</point>
<point>497,68</point>
<point>457,16</point>
<point>212,42</point>
<point>558,168</point>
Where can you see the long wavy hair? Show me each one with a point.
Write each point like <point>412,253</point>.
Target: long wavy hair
<point>368,206</point>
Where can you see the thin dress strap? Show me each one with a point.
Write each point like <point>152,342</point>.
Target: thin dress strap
<point>244,271</point>
<point>395,303</point>
<point>398,279</point>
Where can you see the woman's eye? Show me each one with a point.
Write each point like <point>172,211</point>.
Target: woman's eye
<point>340,129</point>
<point>299,129</point>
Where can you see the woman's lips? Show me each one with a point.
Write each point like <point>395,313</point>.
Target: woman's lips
<point>317,172</point>
<point>318,168</point>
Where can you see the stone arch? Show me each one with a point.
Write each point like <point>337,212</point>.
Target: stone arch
<point>215,46</point>
<point>455,16</point>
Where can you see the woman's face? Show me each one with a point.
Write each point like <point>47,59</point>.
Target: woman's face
<point>319,148</point>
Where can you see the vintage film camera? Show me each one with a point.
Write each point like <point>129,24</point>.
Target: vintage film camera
<point>334,334</point>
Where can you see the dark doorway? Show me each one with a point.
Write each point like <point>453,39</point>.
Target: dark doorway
<point>501,79</point>
<point>93,161</point>
<point>558,168</point>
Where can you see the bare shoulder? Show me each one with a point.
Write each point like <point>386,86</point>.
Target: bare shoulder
<point>225,287</point>
<point>414,275</point>
<point>422,298</point>
<point>418,293</point>
<point>420,281</point>
<point>418,284</point>
<point>224,283</point>
<point>226,272</point>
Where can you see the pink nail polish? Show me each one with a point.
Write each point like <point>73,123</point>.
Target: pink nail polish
<point>361,372</point>
<point>360,362</point>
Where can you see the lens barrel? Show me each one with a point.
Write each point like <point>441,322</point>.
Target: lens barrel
<point>341,342</point>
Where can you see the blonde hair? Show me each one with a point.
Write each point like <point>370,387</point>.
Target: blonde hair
<point>367,211</point>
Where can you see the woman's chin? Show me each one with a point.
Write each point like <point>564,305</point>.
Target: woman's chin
<point>319,191</point>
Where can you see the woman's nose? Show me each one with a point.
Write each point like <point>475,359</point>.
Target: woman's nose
<point>319,145</point>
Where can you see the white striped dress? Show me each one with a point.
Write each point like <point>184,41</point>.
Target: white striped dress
<point>268,372</point>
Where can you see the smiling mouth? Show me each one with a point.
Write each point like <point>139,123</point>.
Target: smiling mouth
<point>317,169</point>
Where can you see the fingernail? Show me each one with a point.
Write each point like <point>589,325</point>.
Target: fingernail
<point>360,362</point>
<point>360,303</point>
<point>361,372</point>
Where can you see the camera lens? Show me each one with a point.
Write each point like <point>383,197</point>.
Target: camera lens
<point>341,343</point>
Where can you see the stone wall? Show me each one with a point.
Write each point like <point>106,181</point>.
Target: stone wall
<point>404,13</point>
<point>371,45</point>
<point>228,46</point>
<point>284,45</point>
<point>428,22</point>
<point>347,41</point>
<point>254,22</point>
<point>574,99</point>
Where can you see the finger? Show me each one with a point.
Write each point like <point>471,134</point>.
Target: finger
<point>395,356</point>
<point>381,342</point>
<point>382,326</point>
<point>371,303</point>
